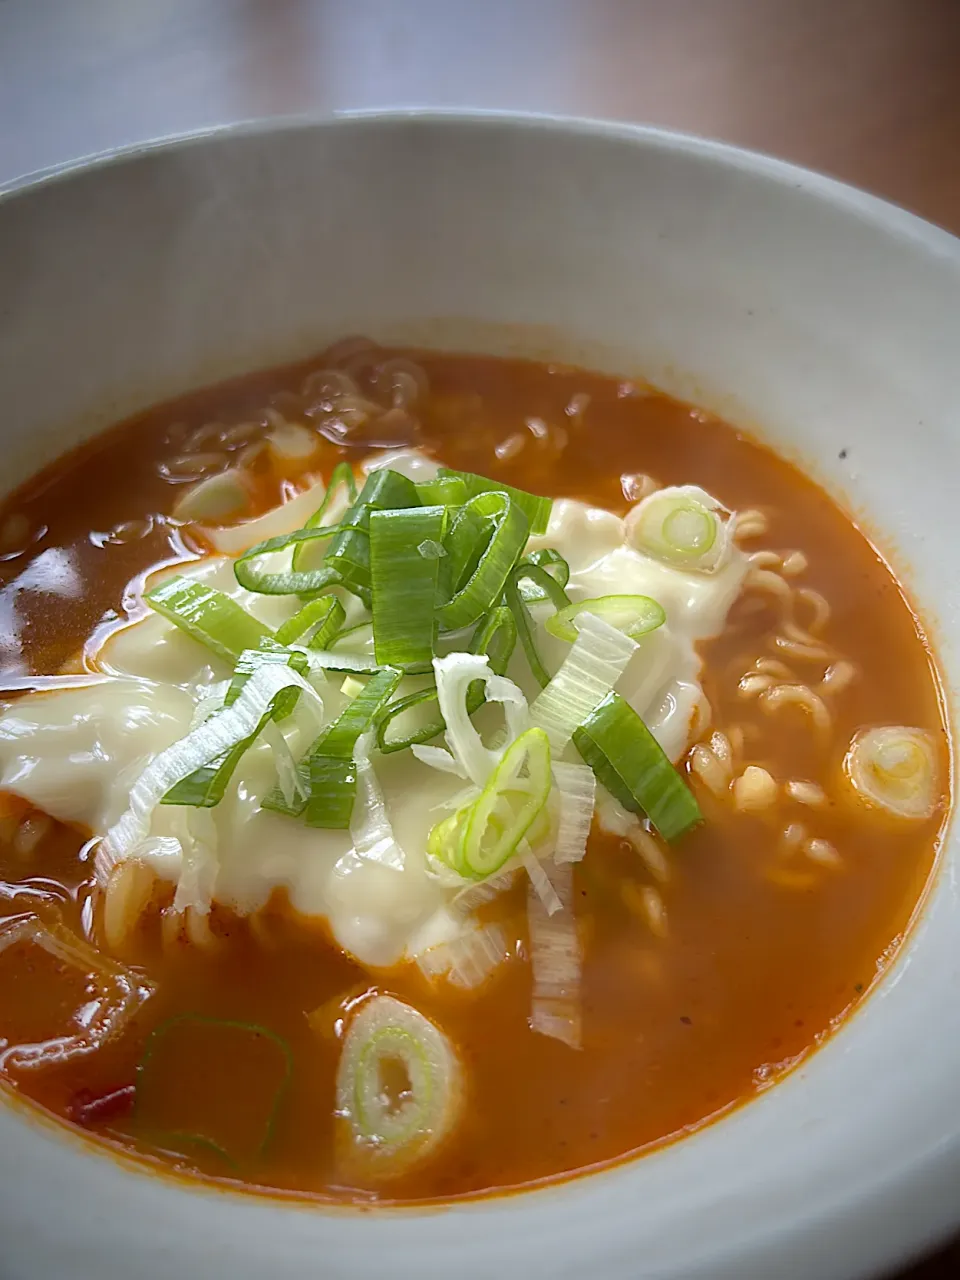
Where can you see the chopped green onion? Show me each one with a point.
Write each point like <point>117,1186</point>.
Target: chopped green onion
<point>554,563</point>
<point>895,768</point>
<point>269,653</point>
<point>508,531</point>
<point>349,551</point>
<point>485,834</point>
<point>635,616</point>
<point>384,1135</point>
<point>214,736</point>
<point>207,615</point>
<point>182,1080</point>
<point>594,664</point>
<point>416,718</point>
<point>251,574</point>
<point>322,618</point>
<point>680,526</point>
<point>329,765</point>
<point>341,477</point>
<point>442,491</point>
<point>552,591</point>
<point>536,509</point>
<point>205,787</point>
<point>404,583</point>
<point>631,764</point>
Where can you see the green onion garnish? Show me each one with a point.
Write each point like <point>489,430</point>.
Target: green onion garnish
<point>551,560</point>
<point>349,551</point>
<point>205,787</point>
<point>674,525</point>
<point>551,590</point>
<point>341,477</point>
<point>536,509</point>
<point>378,1135</point>
<point>416,717</point>
<point>269,653</point>
<point>329,765</point>
<point>207,615</point>
<point>508,531</point>
<point>484,835</point>
<point>404,583</point>
<point>635,616</point>
<point>319,619</point>
<point>443,491</point>
<point>631,764</point>
<point>252,575</point>
<point>182,1093</point>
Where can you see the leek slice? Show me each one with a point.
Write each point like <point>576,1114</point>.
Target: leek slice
<point>207,615</point>
<point>383,1135</point>
<point>506,531</point>
<point>183,1098</point>
<point>270,653</point>
<point>330,765</point>
<point>349,552</point>
<point>635,616</point>
<point>416,717</point>
<point>251,574</point>
<point>321,619</point>
<point>631,764</point>
<point>478,840</point>
<point>219,733</point>
<point>551,590</point>
<point>340,478</point>
<point>547,558</point>
<point>895,767</point>
<point>443,491</point>
<point>681,526</point>
<point>404,583</point>
<point>535,509</point>
<point>590,670</point>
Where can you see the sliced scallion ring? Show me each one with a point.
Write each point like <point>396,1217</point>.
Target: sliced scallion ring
<point>203,1111</point>
<point>680,526</point>
<point>399,1088</point>
<point>631,764</point>
<point>635,616</point>
<point>895,768</point>
<point>484,835</point>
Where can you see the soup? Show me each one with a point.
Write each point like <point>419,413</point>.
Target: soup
<point>427,775</point>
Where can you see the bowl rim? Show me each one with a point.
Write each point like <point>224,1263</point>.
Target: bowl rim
<point>857,1213</point>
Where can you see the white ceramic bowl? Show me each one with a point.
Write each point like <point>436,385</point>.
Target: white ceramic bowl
<point>822,318</point>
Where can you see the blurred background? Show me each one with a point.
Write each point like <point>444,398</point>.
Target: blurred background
<point>865,90</point>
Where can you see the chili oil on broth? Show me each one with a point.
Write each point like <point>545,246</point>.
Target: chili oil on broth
<point>708,969</point>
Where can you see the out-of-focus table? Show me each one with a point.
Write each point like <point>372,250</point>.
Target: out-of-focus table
<point>867,90</point>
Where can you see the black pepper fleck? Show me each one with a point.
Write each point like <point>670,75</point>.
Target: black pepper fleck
<point>843,454</point>
<point>687,1022</point>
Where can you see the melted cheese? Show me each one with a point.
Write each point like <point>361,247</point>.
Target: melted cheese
<point>76,753</point>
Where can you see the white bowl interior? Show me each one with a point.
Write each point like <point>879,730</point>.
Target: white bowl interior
<point>822,319</point>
